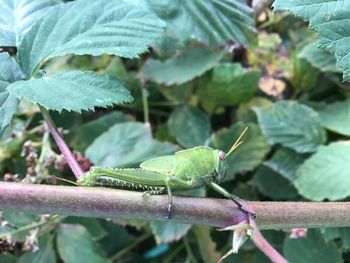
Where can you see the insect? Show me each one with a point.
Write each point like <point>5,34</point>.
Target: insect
<point>186,169</point>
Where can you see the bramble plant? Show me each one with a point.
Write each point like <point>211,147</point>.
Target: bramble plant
<point>120,84</point>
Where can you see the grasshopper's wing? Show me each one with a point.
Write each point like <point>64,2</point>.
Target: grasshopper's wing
<point>165,164</point>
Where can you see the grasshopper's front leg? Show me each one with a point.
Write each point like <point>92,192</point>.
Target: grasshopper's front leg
<point>234,198</point>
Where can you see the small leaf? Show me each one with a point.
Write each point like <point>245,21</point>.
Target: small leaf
<point>92,225</point>
<point>228,84</point>
<point>73,240</point>
<point>330,20</point>
<point>80,90</point>
<point>17,17</point>
<point>304,75</point>
<point>285,162</point>
<point>9,72</point>
<point>206,244</point>
<point>343,233</point>
<point>313,248</point>
<point>249,154</point>
<point>192,63</point>
<point>46,252</point>
<point>165,232</point>
<point>319,58</point>
<point>189,125</point>
<point>89,27</point>
<point>273,184</point>
<point>126,144</point>
<point>336,117</point>
<point>325,174</point>
<point>291,124</point>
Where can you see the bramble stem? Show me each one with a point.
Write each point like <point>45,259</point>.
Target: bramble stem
<point>68,155</point>
<point>110,203</point>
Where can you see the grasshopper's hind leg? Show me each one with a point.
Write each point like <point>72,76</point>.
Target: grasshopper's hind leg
<point>234,198</point>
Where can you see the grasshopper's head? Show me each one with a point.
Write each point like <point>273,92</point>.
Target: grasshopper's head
<point>222,163</point>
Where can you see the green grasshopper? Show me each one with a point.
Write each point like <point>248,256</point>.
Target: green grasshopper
<point>186,169</point>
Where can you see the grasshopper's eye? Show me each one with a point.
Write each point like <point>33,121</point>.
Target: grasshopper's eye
<point>221,155</point>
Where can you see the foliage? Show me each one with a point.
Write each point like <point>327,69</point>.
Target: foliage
<point>127,81</point>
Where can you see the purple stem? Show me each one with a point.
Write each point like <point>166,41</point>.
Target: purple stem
<point>112,203</point>
<point>68,155</point>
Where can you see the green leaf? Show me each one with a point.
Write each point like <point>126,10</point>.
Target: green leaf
<point>80,90</point>
<point>9,72</point>
<point>7,258</point>
<point>249,154</point>
<point>92,225</point>
<point>336,117</point>
<point>46,252</point>
<point>206,244</point>
<point>343,233</point>
<point>189,125</point>
<point>213,22</point>
<point>17,17</point>
<point>92,129</point>
<point>325,174</point>
<point>228,84</point>
<point>313,248</point>
<point>89,27</point>
<point>75,245</point>
<point>273,184</point>
<point>331,20</point>
<point>304,75</point>
<point>285,162</point>
<point>126,144</point>
<point>319,58</point>
<point>192,63</point>
<point>177,93</point>
<point>20,219</point>
<point>165,232</point>
<point>291,124</point>
<point>245,111</point>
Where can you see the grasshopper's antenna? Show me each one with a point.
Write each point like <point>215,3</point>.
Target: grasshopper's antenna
<point>65,180</point>
<point>237,142</point>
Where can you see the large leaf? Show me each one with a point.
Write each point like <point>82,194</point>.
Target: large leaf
<point>18,16</point>
<point>336,117</point>
<point>325,174</point>
<point>249,154</point>
<point>319,58</point>
<point>228,84</point>
<point>285,162</point>
<point>78,91</point>
<point>291,124</point>
<point>89,27</point>
<point>189,125</point>
<point>331,20</point>
<point>190,64</point>
<point>75,245</point>
<point>166,232</point>
<point>214,22</point>
<point>126,144</point>
<point>9,72</point>
<point>313,248</point>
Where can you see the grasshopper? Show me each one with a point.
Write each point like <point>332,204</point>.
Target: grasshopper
<point>186,169</point>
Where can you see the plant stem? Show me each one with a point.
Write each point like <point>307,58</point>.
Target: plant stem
<point>264,246</point>
<point>28,227</point>
<point>109,203</point>
<point>144,99</point>
<point>68,155</point>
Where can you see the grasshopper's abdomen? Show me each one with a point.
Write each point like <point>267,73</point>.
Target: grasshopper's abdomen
<point>135,179</point>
